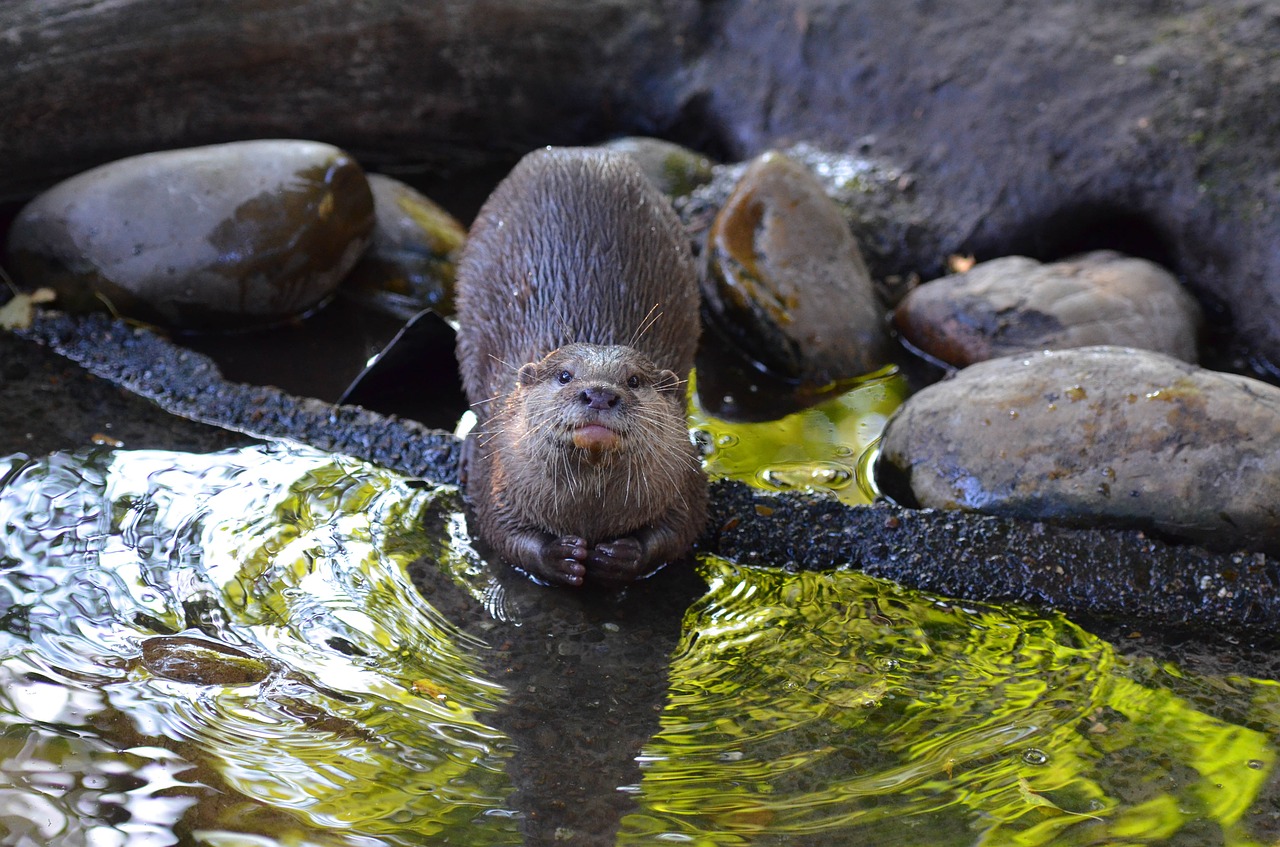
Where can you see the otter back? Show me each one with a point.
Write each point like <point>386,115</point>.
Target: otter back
<point>576,245</point>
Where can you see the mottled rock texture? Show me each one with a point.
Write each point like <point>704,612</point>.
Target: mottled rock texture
<point>1015,305</point>
<point>1096,436</point>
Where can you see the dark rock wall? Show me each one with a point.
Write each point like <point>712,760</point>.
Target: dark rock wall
<point>1039,126</point>
<point>446,82</point>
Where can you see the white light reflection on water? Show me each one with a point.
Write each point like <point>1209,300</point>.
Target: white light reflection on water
<point>244,617</point>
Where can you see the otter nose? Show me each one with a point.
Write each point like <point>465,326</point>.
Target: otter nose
<point>596,397</point>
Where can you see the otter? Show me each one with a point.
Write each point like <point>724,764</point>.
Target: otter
<point>578,313</point>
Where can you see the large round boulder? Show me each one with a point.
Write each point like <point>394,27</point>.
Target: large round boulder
<point>226,236</point>
<point>1095,436</point>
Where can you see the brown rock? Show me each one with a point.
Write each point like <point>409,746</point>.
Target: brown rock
<point>411,262</point>
<point>1015,305</point>
<point>1095,435</point>
<point>786,280</point>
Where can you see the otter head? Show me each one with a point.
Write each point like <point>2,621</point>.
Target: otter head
<point>596,399</point>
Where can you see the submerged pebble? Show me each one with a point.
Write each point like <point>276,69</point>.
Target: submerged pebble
<point>226,236</point>
<point>786,280</point>
<point>1095,435</point>
<point>201,661</point>
<point>411,262</point>
<point>1015,304</point>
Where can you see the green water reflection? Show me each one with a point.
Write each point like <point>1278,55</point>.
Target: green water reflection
<point>311,697</point>
<point>825,448</point>
<point>227,650</point>
<point>835,708</point>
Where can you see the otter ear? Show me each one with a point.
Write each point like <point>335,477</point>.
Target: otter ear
<point>528,374</point>
<point>667,381</point>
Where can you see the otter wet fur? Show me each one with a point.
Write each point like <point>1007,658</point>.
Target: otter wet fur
<point>578,322</point>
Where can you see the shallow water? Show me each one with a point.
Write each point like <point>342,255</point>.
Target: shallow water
<point>275,646</point>
<point>240,628</point>
<point>828,448</point>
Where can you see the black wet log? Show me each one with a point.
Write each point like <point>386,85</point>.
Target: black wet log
<point>1098,573</point>
<point>189,385</point>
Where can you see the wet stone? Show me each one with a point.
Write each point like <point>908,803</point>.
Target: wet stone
<point>1095,436</point>
<point>201,661</point>
<point>1015,304</point>
<point>222,237</point>
<point>411,262</point>
<point>786,281</point>
<point>675,170</point>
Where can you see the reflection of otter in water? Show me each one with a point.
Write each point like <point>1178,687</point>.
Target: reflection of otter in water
<point>578,311</point>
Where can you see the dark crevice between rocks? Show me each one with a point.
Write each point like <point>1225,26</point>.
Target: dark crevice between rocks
<point>693,126</point>
<point>1076,229</point>
<point>895,485</point>
<point>1223,349</point>
<point>461,190</point>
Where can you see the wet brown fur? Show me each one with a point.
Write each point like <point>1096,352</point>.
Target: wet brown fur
<point>578,307</point>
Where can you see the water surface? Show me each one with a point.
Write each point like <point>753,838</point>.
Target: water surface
<point>277,646</point>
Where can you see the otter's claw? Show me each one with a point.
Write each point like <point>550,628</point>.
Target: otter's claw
<point>561,562</point>
<point>619,561</point>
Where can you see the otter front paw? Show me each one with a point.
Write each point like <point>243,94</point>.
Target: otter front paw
<point>561,561</point>
<point>619,561</point>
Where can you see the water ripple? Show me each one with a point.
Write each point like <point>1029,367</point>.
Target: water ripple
<point>248,615</point>
<point>833,705</point>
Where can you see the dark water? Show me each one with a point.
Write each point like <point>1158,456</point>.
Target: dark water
<point>230,649</point>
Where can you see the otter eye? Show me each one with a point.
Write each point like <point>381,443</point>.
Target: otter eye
<point>633,381</point>
<point>564,377</point>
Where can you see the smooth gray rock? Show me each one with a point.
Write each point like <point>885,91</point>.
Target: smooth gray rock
<point>1016,305</point>
<point>1095,436</point>
<point>226,236</point>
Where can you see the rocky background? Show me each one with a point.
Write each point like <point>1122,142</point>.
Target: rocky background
<point>1035,129</point>
<point>1032,127</point>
